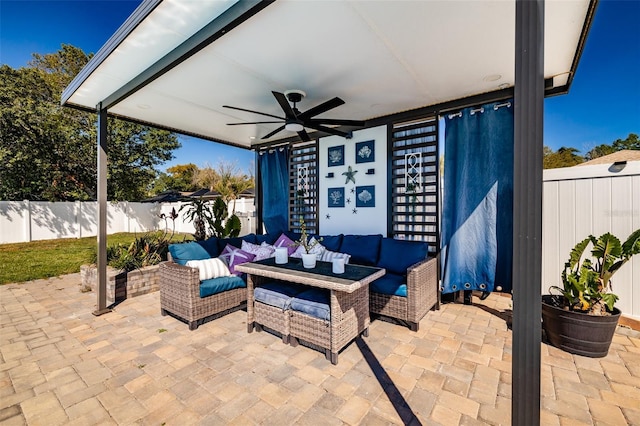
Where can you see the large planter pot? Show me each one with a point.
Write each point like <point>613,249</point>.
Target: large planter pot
<point>578,333</point>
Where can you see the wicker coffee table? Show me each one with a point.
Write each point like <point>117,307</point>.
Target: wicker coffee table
<point>349,300</point>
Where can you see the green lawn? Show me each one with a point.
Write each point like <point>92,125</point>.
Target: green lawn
<point>50,258</point>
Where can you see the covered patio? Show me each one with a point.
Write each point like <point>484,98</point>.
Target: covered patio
<point>176,65</point>
<point>61,365</point>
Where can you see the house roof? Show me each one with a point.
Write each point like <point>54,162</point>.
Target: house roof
<point>624,155</point>
<point>174,64</point>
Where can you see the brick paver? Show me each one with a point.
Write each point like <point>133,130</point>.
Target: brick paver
<point>59,364</point>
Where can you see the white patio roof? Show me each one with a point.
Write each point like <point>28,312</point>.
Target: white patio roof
<point>381,57</point>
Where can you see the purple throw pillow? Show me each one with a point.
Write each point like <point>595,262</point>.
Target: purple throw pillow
<point>233,256</point>
<point>284,241</point>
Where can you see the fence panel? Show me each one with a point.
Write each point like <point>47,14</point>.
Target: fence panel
<point>22,221</point>
<point>584,200</point>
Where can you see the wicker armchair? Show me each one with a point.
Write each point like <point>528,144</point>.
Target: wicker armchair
<point>180,295</point>
<point>422,295</point>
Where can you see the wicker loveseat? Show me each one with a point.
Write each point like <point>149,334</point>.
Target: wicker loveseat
<point>409,289</point>
<point>185,296</point>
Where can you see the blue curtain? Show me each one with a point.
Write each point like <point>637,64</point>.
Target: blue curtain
<point>274,170</point>
<point>477,215</point>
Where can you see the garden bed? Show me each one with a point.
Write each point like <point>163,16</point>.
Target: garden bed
<point>122,285</point>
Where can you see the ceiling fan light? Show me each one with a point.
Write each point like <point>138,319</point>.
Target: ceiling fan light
<point>294,127</point>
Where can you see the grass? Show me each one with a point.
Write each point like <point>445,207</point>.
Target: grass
<point>34,260</point>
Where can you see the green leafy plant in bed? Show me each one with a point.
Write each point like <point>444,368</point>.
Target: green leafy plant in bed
<point>145,250</point>
<point>211,219</point>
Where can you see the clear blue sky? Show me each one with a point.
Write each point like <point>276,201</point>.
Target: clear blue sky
<point>603,104</point>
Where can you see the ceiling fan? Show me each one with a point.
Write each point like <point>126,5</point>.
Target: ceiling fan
<point>296,121</point>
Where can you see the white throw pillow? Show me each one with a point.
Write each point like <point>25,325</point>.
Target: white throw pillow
<point>328,256</point>
<point>210,268</point>
<point>261,252</point>
<point>318,249</point>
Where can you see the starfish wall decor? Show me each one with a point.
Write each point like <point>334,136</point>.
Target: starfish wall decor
<point>350,174</point>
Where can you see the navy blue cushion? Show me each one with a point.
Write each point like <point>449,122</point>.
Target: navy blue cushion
<point>331,242</point>
<point>181,253</point>
<point>391,284</point>
<point>211,246</point>
<point>266,238</point>
<point>362,248</point>
<point>276,293</point>
<point>313,302</point>
<point>220,284</point>
<point>236,242</point>
<point>397,255</point>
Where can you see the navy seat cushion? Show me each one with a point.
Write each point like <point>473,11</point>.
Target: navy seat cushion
<point>313,302</point>
<point>362,248</point>
<point>391,284</point>
<point>266,238</point>
<point>397,255</point>
<point>211,246</point>
<point>277,293</point>
<point>220,284</point>
<point>236,242</point>
<point>182,253</point>
<point>331,242</point>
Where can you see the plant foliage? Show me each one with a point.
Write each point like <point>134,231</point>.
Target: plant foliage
<point>587,285</point>
<point>211,220</point>
<point>48,152</point>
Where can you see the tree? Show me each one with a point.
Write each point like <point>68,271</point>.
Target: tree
<point>226,179</point>
<point>564,157</point>
<point>48,152</point>
<point>206,177</point>
<point>178,178</point>
<point>183,176</point>
<point>631,142</point>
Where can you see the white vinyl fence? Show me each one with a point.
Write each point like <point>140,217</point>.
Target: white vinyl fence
<point>584,200</point>
<point>22,221</point>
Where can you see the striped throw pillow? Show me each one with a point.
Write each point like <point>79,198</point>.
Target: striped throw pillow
<point>328,256</point>
<point>210,268</point>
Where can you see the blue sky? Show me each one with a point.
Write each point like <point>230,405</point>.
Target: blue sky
<point>602,105</point>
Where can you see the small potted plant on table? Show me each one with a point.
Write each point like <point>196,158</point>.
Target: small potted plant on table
<point>308,257</point>
<point>582,318</point>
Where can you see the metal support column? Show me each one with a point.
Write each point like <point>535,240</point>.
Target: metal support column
<point>258,190</point>
<point>527,211</point>
<point>102,212</point>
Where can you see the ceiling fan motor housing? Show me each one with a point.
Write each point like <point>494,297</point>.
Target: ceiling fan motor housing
<point>295,96</point>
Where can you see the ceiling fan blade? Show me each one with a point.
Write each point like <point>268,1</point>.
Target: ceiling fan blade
<point>255,112</point>
<point>274,132</point>
<point>253,122</point>
<point>321,121</point>
<point>328,130</point>
<point>284,104</point>
<point>323,107</point>
<point>304,135</point>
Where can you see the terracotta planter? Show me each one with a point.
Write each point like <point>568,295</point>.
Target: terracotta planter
<point>578,333</point>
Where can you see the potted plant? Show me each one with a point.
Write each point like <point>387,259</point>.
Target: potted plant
<point>582,318</point>
<point>308,258</point>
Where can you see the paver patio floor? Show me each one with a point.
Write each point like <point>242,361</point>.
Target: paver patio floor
<point>61,365</point>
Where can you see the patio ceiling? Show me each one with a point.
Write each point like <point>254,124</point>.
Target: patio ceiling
<point>174,63</point>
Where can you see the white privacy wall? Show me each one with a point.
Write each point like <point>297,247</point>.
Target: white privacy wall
<point>342,220</point>
<point>583,200</point>
<point>22,221</point>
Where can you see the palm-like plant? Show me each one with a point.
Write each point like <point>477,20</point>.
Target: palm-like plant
<point>198,212</point>
<point>587,285</point>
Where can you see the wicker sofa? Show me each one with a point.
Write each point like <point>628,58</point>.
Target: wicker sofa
<point>407,291</point>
